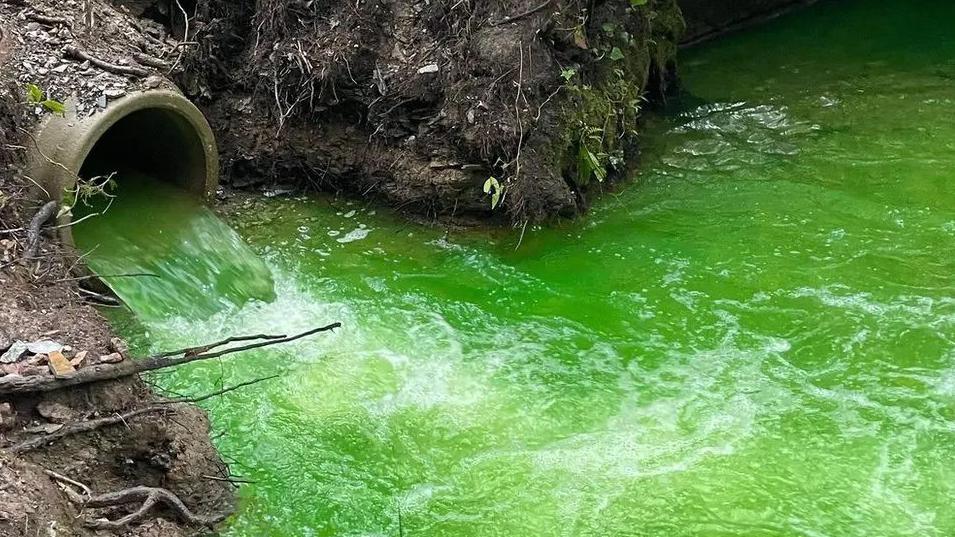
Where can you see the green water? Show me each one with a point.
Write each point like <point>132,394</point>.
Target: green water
<point>757,338</point>
<point>161,251</point>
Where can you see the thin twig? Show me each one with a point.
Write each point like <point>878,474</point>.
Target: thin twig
<point>233,480</point>
<point>218,392</point>
<point>124,275</point>
<point>185,37</point>
<point>527,13</point>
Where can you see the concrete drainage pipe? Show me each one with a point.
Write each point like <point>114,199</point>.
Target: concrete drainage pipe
<point>157,131</point>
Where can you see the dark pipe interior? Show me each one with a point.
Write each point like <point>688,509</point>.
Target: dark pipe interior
<point>156,142</point>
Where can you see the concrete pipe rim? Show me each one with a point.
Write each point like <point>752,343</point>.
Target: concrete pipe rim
<point>62,144</point>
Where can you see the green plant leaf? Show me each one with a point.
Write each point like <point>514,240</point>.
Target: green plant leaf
<point>34,94</point>
<point>616,54</point>
<point>636,3</point>
<point>54,106</point>
<point>588,166</point>
<point>493,187</point>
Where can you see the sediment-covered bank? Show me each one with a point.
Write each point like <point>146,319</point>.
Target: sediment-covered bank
<point>421,103</point>
<point>48,321</point>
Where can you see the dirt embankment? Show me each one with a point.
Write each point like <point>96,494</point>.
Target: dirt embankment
<point>42,301</point>
<point>419,102</point>
<point>172,450</point>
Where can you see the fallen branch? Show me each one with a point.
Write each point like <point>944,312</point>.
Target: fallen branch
<point>82,427</point>
<point>77,53</point>
<point>33,231</point>
<point>12,384</point>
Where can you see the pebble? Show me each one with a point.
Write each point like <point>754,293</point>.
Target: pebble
<point>113,358</point>
<point>44,346</point>
<point>119,346</point>
<point>152,82</point>
<point>54,412</point>
<point>78,360</point>
<point>59,365</point>
<point>8,418</point>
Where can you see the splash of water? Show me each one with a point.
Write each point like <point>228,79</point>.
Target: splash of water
<point>164,253</point>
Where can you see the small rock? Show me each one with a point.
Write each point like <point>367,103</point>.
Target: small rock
<point>30,371</point>
<point>113,358</point>
<point>8,418</point>
<point>39,359</point>
<point>46,428</point>
<point>430,68</point>
<point>59,365</point>
<point>101,101</point>
<point>61,68</point>
<point>5,340</point>
<point>14,352</point>
<point>115,93</point>
<point>118,345</point>
<point>152,82</point>
<point>54,412</point>
<point>78,360</point>
<point>44,346</point>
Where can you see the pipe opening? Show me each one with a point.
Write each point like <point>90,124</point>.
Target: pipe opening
<point>154,141</point>
<point>157,135</point>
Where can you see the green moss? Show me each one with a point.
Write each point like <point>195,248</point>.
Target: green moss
<point>602,105</point>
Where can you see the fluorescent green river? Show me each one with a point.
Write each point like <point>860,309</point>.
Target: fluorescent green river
<point>754,338</point>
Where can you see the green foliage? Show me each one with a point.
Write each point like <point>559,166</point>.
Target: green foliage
<point>35,95</point>
<point>87,189</point>
<point>635,3</point>
<point>493,187</point>
<point>54,106</point>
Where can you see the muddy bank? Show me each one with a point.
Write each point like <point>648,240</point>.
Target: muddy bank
<point>42,300</point>
<point>706,19</point>
<point>420,103</point>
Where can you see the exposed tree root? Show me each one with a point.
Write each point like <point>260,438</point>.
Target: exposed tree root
<point>150,497</point>
<point>14,384</point>
<point>79,54</point>
<point>82,427</point>
<point>33,232</point>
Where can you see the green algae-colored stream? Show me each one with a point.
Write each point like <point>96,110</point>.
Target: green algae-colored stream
<point>756,338</point>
